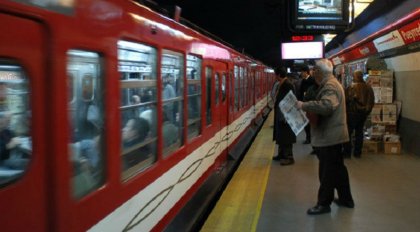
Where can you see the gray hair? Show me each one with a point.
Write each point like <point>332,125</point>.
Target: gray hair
<point>325,66</point>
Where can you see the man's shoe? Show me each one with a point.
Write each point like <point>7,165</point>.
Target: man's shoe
<point>276,157</point>
<point>285,162</point>
<point>319,209</point>
<point>348,204</point>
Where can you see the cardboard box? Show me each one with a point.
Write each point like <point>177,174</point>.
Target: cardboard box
<point>389,113</point>
<point>370,146</point>
<point>377,131</point>
<point>374,72</point>
<point>390,129</point>
<point>386,95</point>
<point>392,148</point>
<point>387,73</point>
<point>375,115</point>
<point>374,81</point>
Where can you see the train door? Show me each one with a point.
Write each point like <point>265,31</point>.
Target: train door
<point>22,151</point>
<point>217,74</point>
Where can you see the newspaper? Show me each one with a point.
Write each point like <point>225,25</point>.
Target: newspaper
<point>295,117</point>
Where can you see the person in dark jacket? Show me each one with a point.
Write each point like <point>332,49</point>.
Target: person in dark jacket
<point>282,133</point>
<point>308,83</point>
<point>359,102</point>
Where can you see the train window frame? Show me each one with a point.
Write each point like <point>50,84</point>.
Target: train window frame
<point>194,96</point>
<point>172,67</point>
<point>86,148</point>
<point>208,86</point>
<point>12,118</point>
<point>137,67</point>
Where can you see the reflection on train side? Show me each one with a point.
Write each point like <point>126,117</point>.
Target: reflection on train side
<point>138,83</point>
<point>172,80</point>
<point>15,133</point>
<point>194,96</point>
<point>85,96</point>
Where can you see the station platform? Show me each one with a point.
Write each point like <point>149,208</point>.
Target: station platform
<point>265,196</point>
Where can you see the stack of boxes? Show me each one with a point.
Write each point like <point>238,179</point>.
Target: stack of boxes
<point>382,130</point>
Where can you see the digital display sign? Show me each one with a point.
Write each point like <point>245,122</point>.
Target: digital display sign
<point>319,15</point>
<point>302,50</point>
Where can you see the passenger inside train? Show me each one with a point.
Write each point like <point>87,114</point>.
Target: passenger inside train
<point>134,133</point>
<point>15,136</point>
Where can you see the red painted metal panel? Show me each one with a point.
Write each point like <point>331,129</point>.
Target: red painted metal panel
<point>23,202</point>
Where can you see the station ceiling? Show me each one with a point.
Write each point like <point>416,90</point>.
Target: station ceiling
<point>255,27</point>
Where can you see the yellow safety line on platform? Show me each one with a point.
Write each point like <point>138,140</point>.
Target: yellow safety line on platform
<point>238,209</point>
<point>261,197</point>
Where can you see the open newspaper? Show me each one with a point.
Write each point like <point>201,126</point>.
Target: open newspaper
<point>295,117</point>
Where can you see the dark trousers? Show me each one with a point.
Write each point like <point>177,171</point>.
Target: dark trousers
<point>285,151</point>
<point>355,122</point>
<point>332,175</point>
<point>308,132</point>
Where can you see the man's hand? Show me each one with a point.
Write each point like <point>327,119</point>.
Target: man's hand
<point>299,104</point>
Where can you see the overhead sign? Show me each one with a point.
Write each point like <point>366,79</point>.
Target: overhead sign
<point>411,32</point>
<point>319,17</point>
<point>388,41</point>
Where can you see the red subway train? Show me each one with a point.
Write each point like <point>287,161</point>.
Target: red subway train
<point>117,118</point>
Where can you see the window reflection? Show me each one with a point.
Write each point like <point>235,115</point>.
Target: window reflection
<point>15,118</point>
<point>138,86</point>
<point>172,100</point>
<point>194,96</point>
<point>209,72</point>
<point>86,115</point>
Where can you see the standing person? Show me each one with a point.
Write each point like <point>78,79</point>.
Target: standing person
<point>359,101</point>
<point>328,135</point>
<point>273,94</point>
<point>8,140</point>
<point>282,133</point>
<point>167,94</point>
<point>307,82</point>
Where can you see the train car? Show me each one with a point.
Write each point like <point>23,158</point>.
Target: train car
<point>389,46</point>
<point>117,118</point>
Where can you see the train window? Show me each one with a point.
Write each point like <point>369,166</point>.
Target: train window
<point>15,117</point>
<point>241,87</point>
<point>209,72</point>
<point>172,100</point>
<point>138,104</point>
<point>71,89</point>
<point>232,97</point>
<point>85,108</point>
<point>223,87</point>
<point>216,84</point>
<point>245,87</point>
<point>194,96</point>
<point>236,88</point>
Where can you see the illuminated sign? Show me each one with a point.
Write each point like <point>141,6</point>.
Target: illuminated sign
<point>297,38</point>
<point>302,50</point>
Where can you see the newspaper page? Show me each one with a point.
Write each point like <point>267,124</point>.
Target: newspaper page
<point>296,118</point>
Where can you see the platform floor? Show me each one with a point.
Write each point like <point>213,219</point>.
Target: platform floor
<point>265,196</point>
